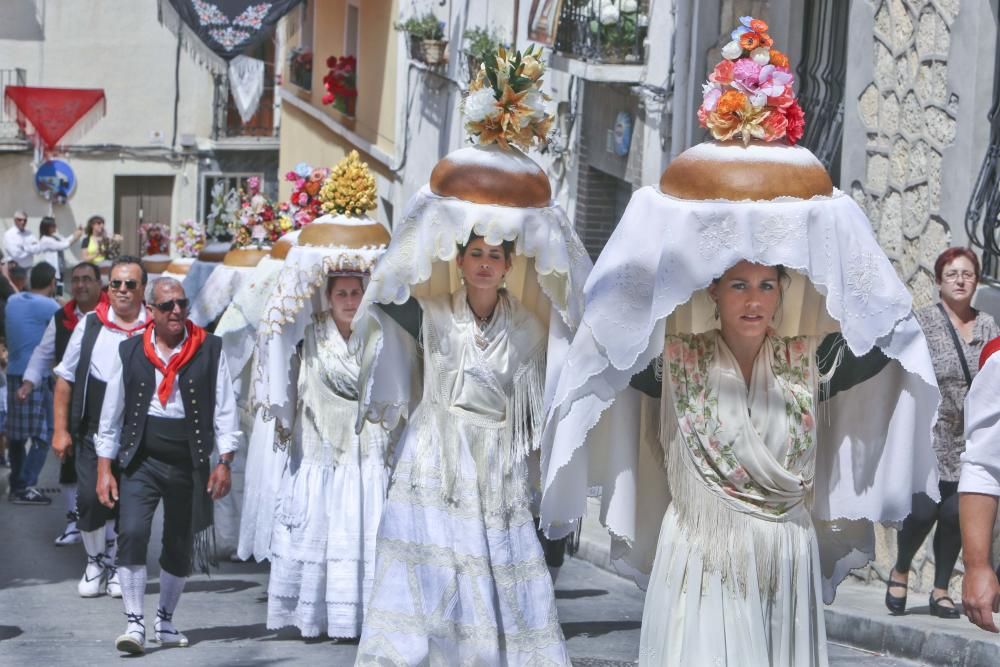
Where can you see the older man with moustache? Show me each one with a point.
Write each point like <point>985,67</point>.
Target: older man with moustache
<point>170,423</point>
<point>82,376</point>
<point>85,286</point>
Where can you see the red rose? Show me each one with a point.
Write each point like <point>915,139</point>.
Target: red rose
<point>723,73</point>
<point>784,100</point>
<point>796,123</point>
<point>775,125</point>
<point>328,98</point>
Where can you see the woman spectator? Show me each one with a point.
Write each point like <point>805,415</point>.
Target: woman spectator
<point>51,245</point>
<point>94,239</point>
<point>956,333</point>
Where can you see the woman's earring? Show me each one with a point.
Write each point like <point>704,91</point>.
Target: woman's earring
<point>503,281</point>
<point>716,310</point>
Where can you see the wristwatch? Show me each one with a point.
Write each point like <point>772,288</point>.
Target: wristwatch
<point>227,463</point>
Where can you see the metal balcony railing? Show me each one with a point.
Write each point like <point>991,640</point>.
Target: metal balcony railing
<point>8,123</point>
<point>228,124</point>
<point>604,31</point>
<point>982,217</point>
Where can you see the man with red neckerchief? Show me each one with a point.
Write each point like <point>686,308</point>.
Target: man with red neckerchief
<point>85,286</point>
<point>170,423</point>
<point>81,378</point>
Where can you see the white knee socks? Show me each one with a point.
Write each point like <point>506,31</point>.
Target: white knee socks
<point>133,581</point>
<point>171,588</point>
<point>93,542</point>
<point>69,496</point>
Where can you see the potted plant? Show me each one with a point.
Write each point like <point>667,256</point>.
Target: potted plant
<point>300,66</point>
<point>427,42</point>
<point>341,84</point>
<point>480,43</point>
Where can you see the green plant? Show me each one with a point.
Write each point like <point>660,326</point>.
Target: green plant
<point>480,42</point>
<point>426,26</point>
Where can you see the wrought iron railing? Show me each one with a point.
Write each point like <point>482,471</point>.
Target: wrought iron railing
<point>604,31</point>
<point>982,217</point>
<point>821,75</point>
<point>8,123</point>
<point>228,124</point>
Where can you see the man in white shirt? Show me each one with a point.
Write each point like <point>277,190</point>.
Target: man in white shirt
<point>170,422</point>
<point>81,378</point>
<point>979,488</point>
<point>20,245</point>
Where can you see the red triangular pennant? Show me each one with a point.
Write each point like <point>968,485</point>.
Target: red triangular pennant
<point>50,113</point>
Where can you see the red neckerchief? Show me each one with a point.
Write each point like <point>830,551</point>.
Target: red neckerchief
<point>102,315</point>
<point>195,337</point>
<point>70,320</point>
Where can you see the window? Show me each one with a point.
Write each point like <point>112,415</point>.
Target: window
<point>230,180</point>
<point>351,28</point>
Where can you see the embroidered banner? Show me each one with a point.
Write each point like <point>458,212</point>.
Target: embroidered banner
<point>226,27</point>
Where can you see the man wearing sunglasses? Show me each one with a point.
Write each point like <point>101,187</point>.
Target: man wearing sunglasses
<point>170,423</point>
<point>20,245</point>
<point>81,378</point>
<point>85,285</point>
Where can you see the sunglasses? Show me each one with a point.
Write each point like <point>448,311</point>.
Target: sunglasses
<point>168,306</point>
<point>129,284</point>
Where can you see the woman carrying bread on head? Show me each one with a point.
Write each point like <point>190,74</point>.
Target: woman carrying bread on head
<point>481,276</point>
<point>748,387</point>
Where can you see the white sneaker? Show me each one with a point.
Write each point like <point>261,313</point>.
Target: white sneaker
<point>72,534</point>
<point>94,580</point>
<point>114,588</point>
<point>134,639</point>
<point>165,632</point>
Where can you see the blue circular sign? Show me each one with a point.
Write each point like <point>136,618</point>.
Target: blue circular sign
<point>55,181</point>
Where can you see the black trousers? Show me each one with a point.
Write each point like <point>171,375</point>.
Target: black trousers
<point>143,485</point>
<point>947,538</point>
<point>554,550</point>
<point>92,514</point>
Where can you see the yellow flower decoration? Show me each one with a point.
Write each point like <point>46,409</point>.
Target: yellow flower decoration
<point>349,189</point>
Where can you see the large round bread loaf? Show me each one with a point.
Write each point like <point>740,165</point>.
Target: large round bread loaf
<point>214,252</point>
<point>492,175</point>
<point>245,257</point>
<point>344,232</point>
<point>179,267</point>
<point>155,263</point>
<point>734,172</point>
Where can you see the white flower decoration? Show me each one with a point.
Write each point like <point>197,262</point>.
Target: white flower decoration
<point>642,21</point>
<point>732,50</point>
<point>480,105</point>
<point>761,55</point>
<point>629,6</point>
<point>609,15</point>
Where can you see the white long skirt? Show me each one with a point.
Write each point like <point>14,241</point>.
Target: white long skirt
<point>323,545</point>
<point>453,585</point>
<point>696,617</point>
<point>264,469</point>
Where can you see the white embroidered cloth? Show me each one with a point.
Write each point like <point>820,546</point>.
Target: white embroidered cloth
<point>218,292</point>
<point>197,276</point>
<point>875,446</point>
<point>246,83</point>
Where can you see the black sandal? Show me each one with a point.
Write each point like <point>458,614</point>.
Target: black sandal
<point>895,605</point>
<point>937,609</point>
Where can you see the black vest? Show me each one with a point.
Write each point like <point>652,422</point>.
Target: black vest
<point>196,382</point>
<point>62,334</point>
<point>78,403</point>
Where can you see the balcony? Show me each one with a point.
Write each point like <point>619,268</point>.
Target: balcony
<point>11,136</point>
<point>261,131</point>
<point>604,32</point>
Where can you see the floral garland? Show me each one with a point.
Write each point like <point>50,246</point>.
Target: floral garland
<point>350,188</point>
<point>505,104</point>
<point>749,93</point>
<point>304,205</point>
<point>341,83</point>
<point>190,238</point>
<point>154,238</point>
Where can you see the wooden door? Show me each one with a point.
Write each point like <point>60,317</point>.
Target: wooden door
<point>140,199</point>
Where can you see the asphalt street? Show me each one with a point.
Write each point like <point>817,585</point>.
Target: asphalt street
<point>44,622</point>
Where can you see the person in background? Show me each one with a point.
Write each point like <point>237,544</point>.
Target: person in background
<point>85,285</point>
<point>51,245</point>
<point>18,278</point>
<point>94,239</point>
<point>27,315</point>
<point>20,245</point>
<point>956,333</point>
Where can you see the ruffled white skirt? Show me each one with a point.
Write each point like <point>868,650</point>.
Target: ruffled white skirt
<point>323,545</point>
<point>453,585</point>
<point>693,616</point>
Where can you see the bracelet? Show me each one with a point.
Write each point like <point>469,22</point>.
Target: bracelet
<point>224,462</point>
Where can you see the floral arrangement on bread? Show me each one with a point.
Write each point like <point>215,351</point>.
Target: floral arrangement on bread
<point>505,104</point>
<point>349,189</point>
<point>749,93</point>
<point>190,238</point>
<point>304,205</point>
<point>256,220</point>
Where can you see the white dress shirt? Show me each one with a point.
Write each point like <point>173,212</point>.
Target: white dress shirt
<point>20,246</point>
<point>49,248</point>
<point>105,348</point>
<point>227,425</point>
<point>981,459</point>
<point>44,356</point>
